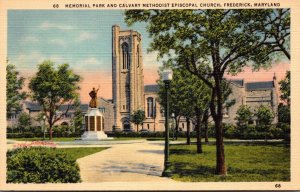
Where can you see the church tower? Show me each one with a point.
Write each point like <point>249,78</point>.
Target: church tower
<point>127,76</point>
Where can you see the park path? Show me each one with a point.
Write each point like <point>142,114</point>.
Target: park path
<point>133,162</point>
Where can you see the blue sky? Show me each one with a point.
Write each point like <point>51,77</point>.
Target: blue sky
<point>77,37</point>
<point>81,38</point>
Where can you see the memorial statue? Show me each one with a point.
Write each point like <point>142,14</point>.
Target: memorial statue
<point>93,95</point>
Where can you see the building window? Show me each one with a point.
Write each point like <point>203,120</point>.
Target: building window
<point>148,126</point>
<point>125,56</point>
<point>102,109</point>
<point>150,107</point>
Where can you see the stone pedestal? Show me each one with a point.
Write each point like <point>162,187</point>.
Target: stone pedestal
<point>94,125</point>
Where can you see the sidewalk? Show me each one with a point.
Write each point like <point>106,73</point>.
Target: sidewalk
<point>134,162</point>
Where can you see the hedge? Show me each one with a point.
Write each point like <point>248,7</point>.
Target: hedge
<point>41,165</point>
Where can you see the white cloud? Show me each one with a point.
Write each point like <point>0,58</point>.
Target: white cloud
<point>85,36</point>
<point>29,62</point>
<point>91,63</point>
<point>47,25</point>
<point>29,39</point>
<point>58,42</point>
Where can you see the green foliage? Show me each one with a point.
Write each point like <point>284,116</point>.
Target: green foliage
<point>78,117</point>
<point>186,92</point>
<point>138,117</point>
<point>52,87</point>
<point>246,163</point>
<point>41,165</point>
<point>243,115</point>
<point>285,88</point>
<point>24,122</point>
<point>284,113</point>
<point>264,115</point>
<point>14,85</point>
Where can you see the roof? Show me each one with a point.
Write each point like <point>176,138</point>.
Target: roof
<point>151,88</point>
<point>259,85</point>
<point>37,107</point>
<point>239,82</point>
<point>33,106</point>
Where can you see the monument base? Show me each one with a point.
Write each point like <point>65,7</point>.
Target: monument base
<point>94,136</point>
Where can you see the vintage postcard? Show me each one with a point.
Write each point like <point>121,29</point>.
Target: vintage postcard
<point>149,95</point>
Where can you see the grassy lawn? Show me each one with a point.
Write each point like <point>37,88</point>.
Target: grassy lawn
<point>79,152</point>
<point>244,163</point>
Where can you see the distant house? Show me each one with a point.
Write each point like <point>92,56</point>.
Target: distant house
<point>34,110</point>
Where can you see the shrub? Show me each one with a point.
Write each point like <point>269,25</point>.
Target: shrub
<point>41,165</point>
<point>230,131</point>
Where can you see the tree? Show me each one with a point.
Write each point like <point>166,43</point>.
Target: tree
<point>243,116</point>
<point>209,43</point>
<point>53,87</point>
<point>14,95</point>
<point>78,117</point>
<point>285,88</point>
<point>24,122</point>
<point>284,109</point>
<point>264,117</point>
<point>189,98</point>
<point>284,113</point>
<point>138,118</point>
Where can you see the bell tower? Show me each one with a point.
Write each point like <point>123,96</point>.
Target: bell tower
<point>127,76</point>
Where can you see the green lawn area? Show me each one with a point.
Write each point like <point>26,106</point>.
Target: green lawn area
<point>244,163</point>
<point>79,152</point>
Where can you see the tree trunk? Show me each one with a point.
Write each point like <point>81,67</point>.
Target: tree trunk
<point>205,122</point>
<point>188,129</point>
<point>50,132</point>
<point>217,115</point>
<point>198,130</point>
<point>176,126</point>
<point>137,127</point>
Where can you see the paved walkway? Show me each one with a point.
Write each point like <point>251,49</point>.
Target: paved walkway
<point>132,162</point>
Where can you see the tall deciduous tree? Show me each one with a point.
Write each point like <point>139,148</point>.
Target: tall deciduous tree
<point>138,118</point>
<point>53,87</point>
<point>209,43</point>
<point>14,85</point>
<point>189,98</point>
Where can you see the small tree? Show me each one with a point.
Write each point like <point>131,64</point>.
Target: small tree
<point>14,85</point>
<point>24,122</point>
<point>284,113</point>
<point>138,118</point>
<point>265,117</point>
<point>243,116</point>
<point>78,117</point>
<point>285,88</point>
<point>53,87</point>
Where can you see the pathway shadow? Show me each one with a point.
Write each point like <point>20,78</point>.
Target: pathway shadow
<point>152,151</point>
<point>183,170</point>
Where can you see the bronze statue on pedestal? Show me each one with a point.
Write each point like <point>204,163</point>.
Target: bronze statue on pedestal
<point>93,95</point>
